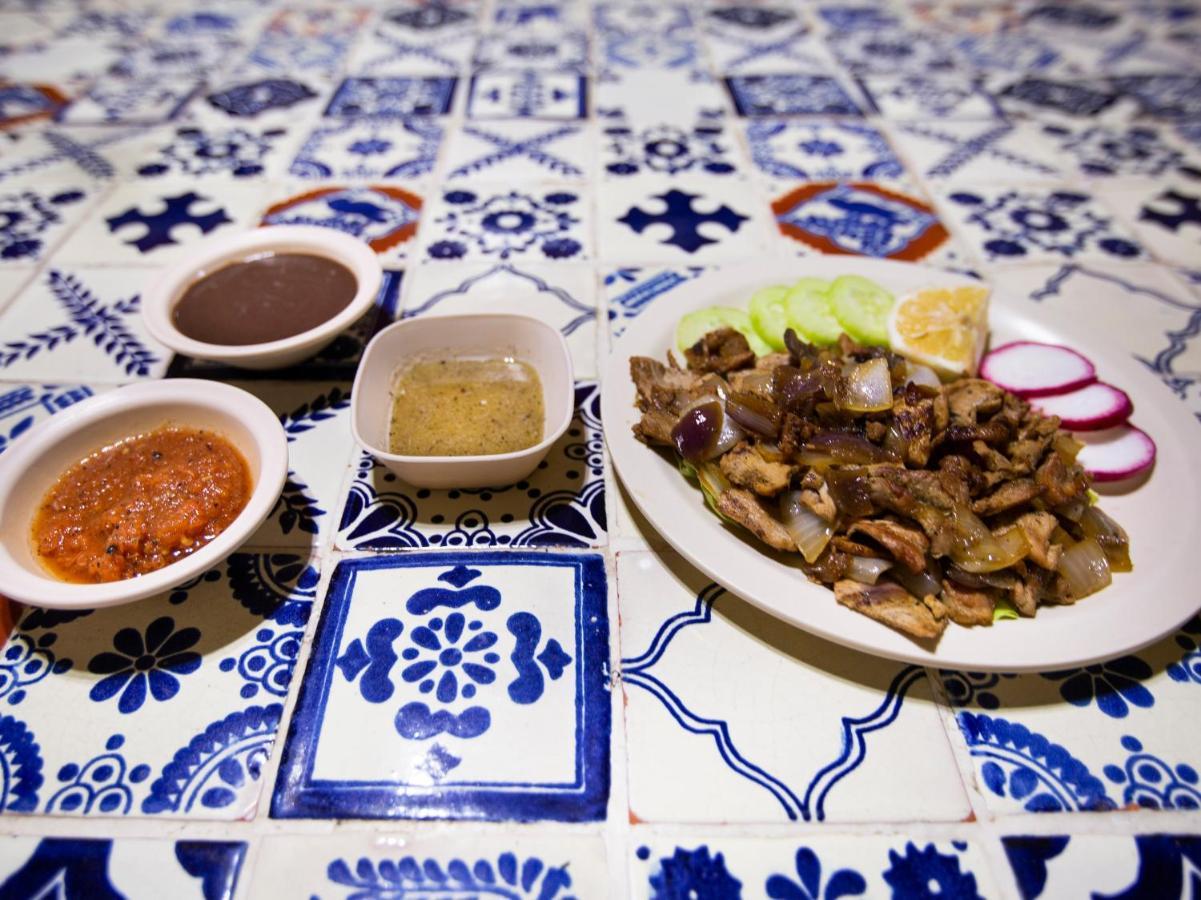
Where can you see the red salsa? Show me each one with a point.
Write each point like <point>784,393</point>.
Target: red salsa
<point>140,504</point>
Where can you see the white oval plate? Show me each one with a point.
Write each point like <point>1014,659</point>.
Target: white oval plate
<point>1161,516</point>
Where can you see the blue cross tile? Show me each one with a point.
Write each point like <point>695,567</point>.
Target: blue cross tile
<point>455,685</point>
<point>967,151</point>
<point>395,97</point>
<point>744,39</point>
<point>112,101</point>
<point>757,96</point>
<point>120,867</point>
<point>416,39</point>
<point>528,95</point>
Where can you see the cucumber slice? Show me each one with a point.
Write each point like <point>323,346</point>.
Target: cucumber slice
<point>696,325</point>
<point>809,312</point>
<point>861,307</point>
<point>769,314</point>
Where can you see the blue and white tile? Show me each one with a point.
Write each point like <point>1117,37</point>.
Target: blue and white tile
<point>641,36</point>
<point>784,150</point>
<point>267,101</point>
<point>36,213</point>
<point>71,61</point>
<point>167,707</point>
<point>94,153</point>
<point>1164,213</point>
<point>159,222</point>
<point>24,405</point>
<point>839,18</point>
<point>688,220</point>
<point>305,41</point>
<point>369,149</point>
<point>80,324</point>
<point>941,97</point>
<point>1010,51</point>
<point>173,57</point>
<point>746,39</point>
<point>744,761</point>
<point>219,20</point>
<point>562,504</point>
<point>894,50</point>
<point>1136,52</point>
<point>682,98</point>
<point>383,216</point>
<point>562,295</point>
<point>483,694</point>
<point>1036,224</point>
<point>137,868</point>
<point>1171,97</point>
<point>770,96</point>
<point>629,291</point>
<point>519,151</point>
<point>1075,22</point>
<point>413,39</point>
<point>223,152</point>
<point>965,16</point>
<point>527,95</point>
<point>945,151</point>
<point>12,282</point>
<point>25,104</point>
<point>494,222</point>
<point>707,147</point>
<point>1114,735</point>
<point>810,866</point>
<point>1148,865</point>
<point>1060,97</point>
<point>519,13</point>
<point>532,48</point>
<point>517,866</point>
<point>1137,150</point>
<point>142,101</point>
<point>392,97</point>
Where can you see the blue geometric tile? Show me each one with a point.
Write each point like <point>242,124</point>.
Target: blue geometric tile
<point>32,219</point>
<point>892,51</point>
<point>788,46</point>
<point>112,101</point>
<point>24,405</point>
<point>561,505</point>
<point>120,867</point>
<point>934,97</point>
<point>253,99</point>
<point>629,291</point>
<point>982,150</point>
<point>865,17</point>
<point>392,97</point>
<point>1037,95</point>
<point>518,150</point>
<point>498,224</point>
<point>414,39</point>
<point>759,96</point>
<point>1008,51</point>
<point>528,95</point>
<point>819,151</point>
<point>533,48</point>
<point>311,41</point>
<point>174,702</point>
<point>644,36</point>
<point>473,718</point>
<point>369,149</point>
<point>633,148</point>
<point>174,57</point>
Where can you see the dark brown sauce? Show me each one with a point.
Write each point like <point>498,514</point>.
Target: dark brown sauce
<point>265,299</point>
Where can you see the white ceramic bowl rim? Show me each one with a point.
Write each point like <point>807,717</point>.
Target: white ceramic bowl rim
<point>160,297</point>
<point>552,434</point>
<point>43,589</point>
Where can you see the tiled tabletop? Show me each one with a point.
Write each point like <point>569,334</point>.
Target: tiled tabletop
<point>392,692</point>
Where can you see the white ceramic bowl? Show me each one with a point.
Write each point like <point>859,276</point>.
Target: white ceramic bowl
<point>528,340</point>
<point>160,297</point>
<point>35,461</point>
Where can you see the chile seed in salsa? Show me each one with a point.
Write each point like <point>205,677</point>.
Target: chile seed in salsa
<point>140,504</point>
<point>264,299</point>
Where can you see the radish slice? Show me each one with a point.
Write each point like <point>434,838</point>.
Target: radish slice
<point>1091,408</point>
<point>1116,454</point>
<point>1030,369</point>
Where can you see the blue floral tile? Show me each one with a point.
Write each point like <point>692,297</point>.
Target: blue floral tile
<point>690,219</point>
<point>1094,738</point>
<point>517,867</point>
<point>1015,224</point>
<point>562,295</point>
<point>138,101</point>
<point>35,215</point>
<point>337,361</point>
<point>120,867</point>
<point>519,150</point>
<point>174,56</point>
<point>891,51</point>
<point>532,48</point>
<point>561,505</point>
<point>938,97</point>
<point>765,96</point>
<point>706,147</point>
<point>743,764</point>
<point>641,35</point>
<point>392,97</point>
<point>82,325</point>
<point>1102,151</point>
<point>745,39</point>
<point>492,222</point>
<point>24,405</point>
<point>483,693</point>
<point>528,95</point>
<point>157,222</point>
<point>629,291</point>
<point>1009,51</point>
<point>807,868</point>
<point>229,152</point>
<point>1143,865</point>
<point>369,149</point>
<point>173,702</point>
<point>978,152</point>
<point>417,39</point>
<point>305,41</point>
<point>790,150</point>
<point>384,217</point>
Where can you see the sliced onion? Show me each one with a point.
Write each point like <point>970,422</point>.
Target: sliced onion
<point>848,448</point>
<point>712,479</point>
<point>1084,568</point>
<point>704,431</point>
<point>916,373</point>
<point>809,531</point>
<point>791,386</point>
<point>867,387</point>
<point>920,584</point>
<point>992,553</point>
<point>1110,536</point>
<point>866,569</point>
<point>754,414</point>
<point>896,443</point>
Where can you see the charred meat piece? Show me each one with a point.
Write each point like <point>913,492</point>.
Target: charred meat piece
<point>893,605</point>
<point>720,351</point>
<point>746,467</point>
<point>1038,528</point>
<point>1007,496</point>
<point>972,399</point>
<point>741,506</point>
<point>967,606</point>
<point>908,546</point>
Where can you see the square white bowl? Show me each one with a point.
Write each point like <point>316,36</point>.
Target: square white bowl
<point>528,340</point>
